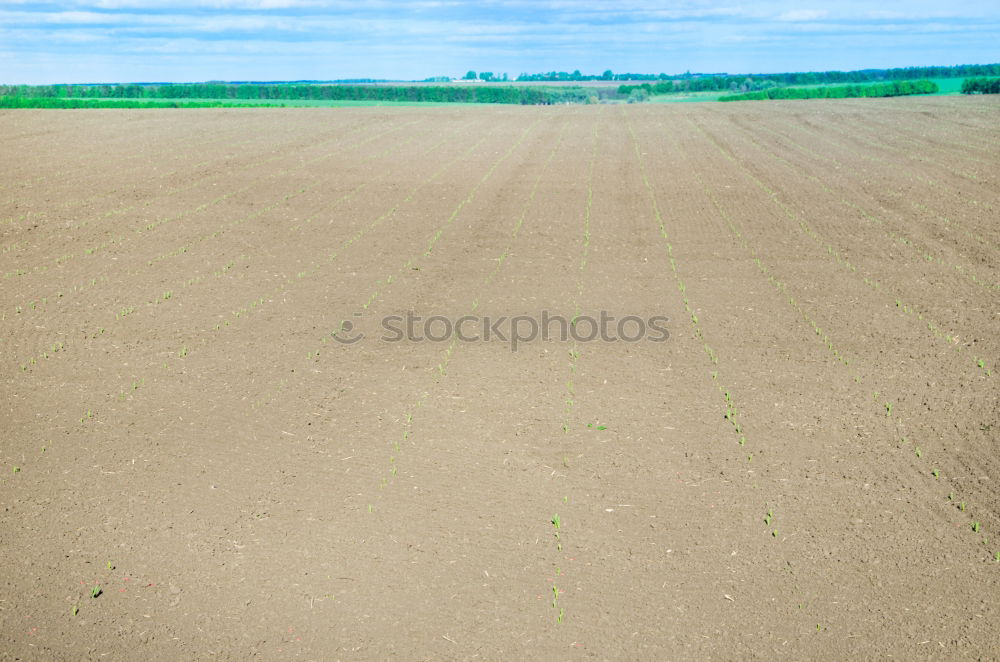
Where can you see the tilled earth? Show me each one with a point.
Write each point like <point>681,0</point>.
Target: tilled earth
<point>205,423</point>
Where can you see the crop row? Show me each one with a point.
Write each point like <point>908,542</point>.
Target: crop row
<point>730,411</point>
<point>570,399</point>
<point>570,395</point>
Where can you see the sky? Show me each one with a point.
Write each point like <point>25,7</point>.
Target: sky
<point>77,41</point>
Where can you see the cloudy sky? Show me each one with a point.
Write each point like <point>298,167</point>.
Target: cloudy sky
<point>184,40</point>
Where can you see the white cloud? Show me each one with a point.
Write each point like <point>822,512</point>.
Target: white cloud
<point>798,15</point>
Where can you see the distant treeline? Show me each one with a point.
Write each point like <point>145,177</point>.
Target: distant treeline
<point>446,94</point>
<point>981,86</point>
<point>55,102</point>
<point>753,82</point>
<point>895,89</point>
<point>688,82</point>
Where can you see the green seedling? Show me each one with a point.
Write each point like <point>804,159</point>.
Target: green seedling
<point>918,452</point>
<point>997,557</point>
<point>556,522</point>
<point>976,527</point>
<point>770,516</point>
<point>110,567</point>
<point>961,506</point>
<point>17,470</point>
<point>96,591</point>
<point>75,610</point>
<point>888,409</point>
<point>774,534</point>
<point>936,473</point>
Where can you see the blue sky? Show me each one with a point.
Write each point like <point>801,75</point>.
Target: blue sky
<point>182,40</point>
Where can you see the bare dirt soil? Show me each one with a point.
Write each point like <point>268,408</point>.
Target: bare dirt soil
<point>806,469</point>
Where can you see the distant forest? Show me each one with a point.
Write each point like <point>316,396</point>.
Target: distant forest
<point>868,82</point>
<point>981,86</point>
<point>722,81</point>
<point>319,92</point>
<point>894,89</point>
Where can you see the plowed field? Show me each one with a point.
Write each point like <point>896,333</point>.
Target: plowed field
<point>204,424</point>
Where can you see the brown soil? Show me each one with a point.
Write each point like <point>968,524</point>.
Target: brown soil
<point>806,469</point>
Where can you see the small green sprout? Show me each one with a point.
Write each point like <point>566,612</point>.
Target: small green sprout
<point>76,610</point>
<point>976,527</point>
<point>96,591</point>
